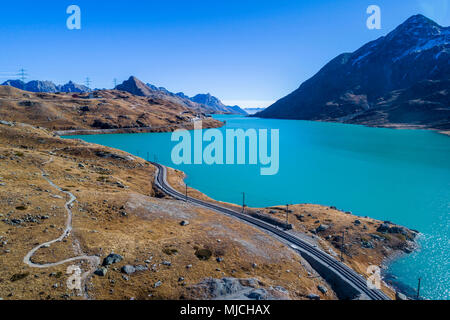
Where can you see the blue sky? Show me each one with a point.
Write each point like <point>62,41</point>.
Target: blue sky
<point>245,52</point>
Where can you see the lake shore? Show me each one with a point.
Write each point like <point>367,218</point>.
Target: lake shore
<point>367,242</point>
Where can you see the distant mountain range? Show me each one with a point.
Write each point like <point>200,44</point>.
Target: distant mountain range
<point>202,102</point>
<point>46,86</point>
<point>400,79</point>
<point>205,99</point>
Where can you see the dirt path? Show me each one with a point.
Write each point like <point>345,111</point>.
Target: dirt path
<point>94,261</point>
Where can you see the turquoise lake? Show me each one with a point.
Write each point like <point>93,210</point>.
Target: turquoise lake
<point>398,175</point>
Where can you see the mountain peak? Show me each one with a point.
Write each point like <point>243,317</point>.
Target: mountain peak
<point>135,86</point>
<point>418,19</point>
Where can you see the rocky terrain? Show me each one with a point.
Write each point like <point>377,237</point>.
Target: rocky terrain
<point>148,246</point>
<point>400,80</point>
<point>104,111</point>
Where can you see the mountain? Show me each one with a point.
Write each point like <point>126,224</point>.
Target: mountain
<point>201,103</point>
<point>381,82</point>
<point>46,86</point>
<point>135,86</point>
<point>216,104</point>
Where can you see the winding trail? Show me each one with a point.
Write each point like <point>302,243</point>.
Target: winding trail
<point>93,260</point>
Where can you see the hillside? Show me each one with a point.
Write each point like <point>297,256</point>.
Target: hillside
<point>398,80</point>
<point>102,111</point>
<point>117,210</point>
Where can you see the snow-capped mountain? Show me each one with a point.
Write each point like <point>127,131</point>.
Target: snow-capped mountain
<point>350,87</point>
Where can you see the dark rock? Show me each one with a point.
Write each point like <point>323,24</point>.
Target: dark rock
<point>112,259</point>
<point>367,244</point>
<point>312,296</point>
<point>322,227</point>
<point>101,272</point>
<point>257,294</point>
<point>322,289</point>
<point>184,223</point>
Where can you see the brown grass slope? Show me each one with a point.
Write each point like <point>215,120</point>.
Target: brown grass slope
<point>108,109</point>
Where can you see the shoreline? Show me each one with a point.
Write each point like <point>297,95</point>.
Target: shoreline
<point>162,129</point>
<point>413,245</point>
<point>394,126</point>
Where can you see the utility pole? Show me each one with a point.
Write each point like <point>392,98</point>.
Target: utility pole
<point>243,202</point>
<point>115,83</point>
<point>22,74</point>
<point>418,289</point>
<point>287,215</point>
<point>88,82</point>
<point>342,247</point>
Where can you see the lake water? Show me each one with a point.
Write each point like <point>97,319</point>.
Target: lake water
<point>397,175</point>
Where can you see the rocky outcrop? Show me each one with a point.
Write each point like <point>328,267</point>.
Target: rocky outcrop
<point>234,289</point>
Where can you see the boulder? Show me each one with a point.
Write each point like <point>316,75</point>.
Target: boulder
<point>101,272</point>
<point>322,289</point>
<point>257,294</point>
<point>322,227</point>
<point>112,259</point>
<point>312,296</point>
<point>128,269</point>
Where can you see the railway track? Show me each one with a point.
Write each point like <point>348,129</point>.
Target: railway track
<point>334,266</point>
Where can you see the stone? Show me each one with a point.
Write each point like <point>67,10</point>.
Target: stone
<point>281,289</point>
<point>101,272</point>
<point>312,296</point>
<point>112,259</point>
<point>184,223</point>
<point>383,228</point>
<point>128,269</point>
<point>219,259</point>
<point>357,222</point>
<point>367,244</point>
<point>322,227</point>
<point>140,268</point>
<point>157,284</point>
<point>167,263</point>
<point>257,294</point>
<point>322,289</point>
<point>180,279</point>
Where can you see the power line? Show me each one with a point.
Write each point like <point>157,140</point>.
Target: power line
<point>23,74</point>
